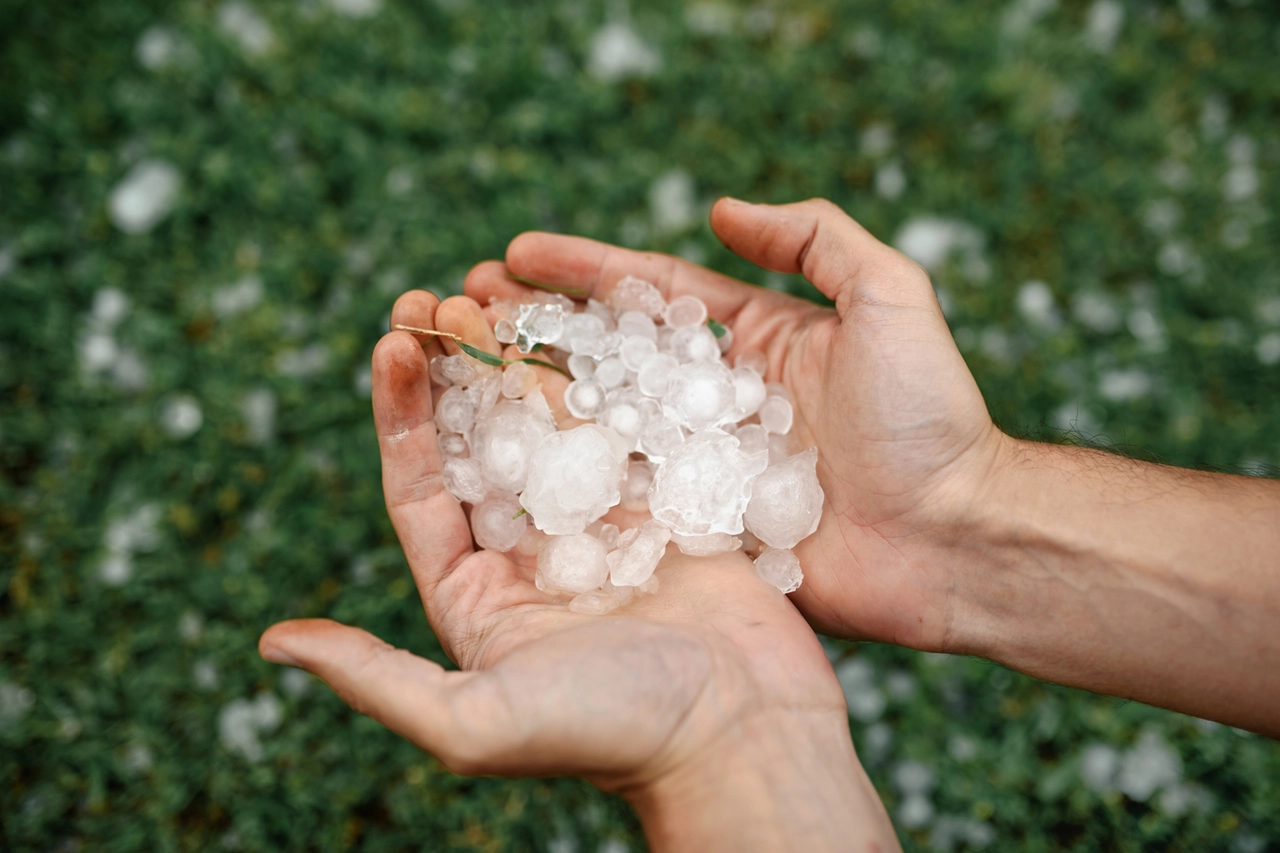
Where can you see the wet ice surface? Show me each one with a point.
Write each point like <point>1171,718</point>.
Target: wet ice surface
<point>692,448</point>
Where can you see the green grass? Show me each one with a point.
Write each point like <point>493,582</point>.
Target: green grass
<point>359,157</point>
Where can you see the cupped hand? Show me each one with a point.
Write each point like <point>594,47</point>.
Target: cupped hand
<point>904,438</point>
<point>632,700</point>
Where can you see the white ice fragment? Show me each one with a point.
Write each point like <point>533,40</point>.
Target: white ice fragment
<point>637,324</point>
<point>780,568</point>
<point>704,485</point>
<point>776,415</point>
<point>786,501</point>
<point>700,394</point>
<point>180,416</point>
<point>636,350</point>
<point>1151,764</point>
<point>498,522</point>
<point>572,563</point>
<point>639,551</point>
<point>584,398</point>
<point>159,47</point>
<point>455,412</point>
<point>706,545</point>
<point>145,196</point>
<point>452,444</point>
<point>518,379</point>
<point>672,205</point>
<point>1102,24</point>
<point>505,440</point>
<point>635,294</point>
<point>685,311</point>
<point>464,480</point>
<point>617,53</point>
<point>694,343</point>
<point>237,298</point>
<point>110,305</point>
<point>931,241</point>
<point>242,22</point>
<point>241,722</point>
<point>538,323</point>
<point>655,374</point>
<point>573,479</point>
<point>258,408</point>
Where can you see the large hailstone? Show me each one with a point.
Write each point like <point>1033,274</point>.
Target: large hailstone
<point>786,501</point>
<point>704,485</point>
<point>574,477</point>
<point>504,440</point>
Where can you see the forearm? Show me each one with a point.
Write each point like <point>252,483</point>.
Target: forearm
<point>771,785</point>
<point>1137,580</point>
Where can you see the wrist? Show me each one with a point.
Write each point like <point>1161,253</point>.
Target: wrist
<point>777,780</point>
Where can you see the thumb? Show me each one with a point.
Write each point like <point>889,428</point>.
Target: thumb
<point>819,240</point>
<point>412,696</point>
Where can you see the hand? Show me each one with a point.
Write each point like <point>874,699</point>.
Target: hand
<point>903,435</point>
<point>710,704</point>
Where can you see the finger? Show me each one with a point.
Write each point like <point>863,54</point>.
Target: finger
<point>461,316</point>
<point>594,268</point>
<point>417,308</point>
<point>819,240</point>
<point>409,695</point>
<point>553,385</point>
<point>429,521</point>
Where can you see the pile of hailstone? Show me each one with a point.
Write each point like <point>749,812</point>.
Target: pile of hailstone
<point>668,430</point>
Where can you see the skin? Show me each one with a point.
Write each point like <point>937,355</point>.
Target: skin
<point>710,705</point>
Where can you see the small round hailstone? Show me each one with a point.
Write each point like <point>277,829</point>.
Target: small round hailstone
<point>455,411</point>
<point>505,331</point>
<point>485,391</point>
<point>635,294</point>
<point>776,415</point>
<point>573,563</point>
<point>518,379</point>
<point>635,350</point>
<point>611,372</point>
<point>624,418</point>
<point>637,324</point>
<point>573,478</point>
<point>753,360</point>
<point>452,444</point>
<point>459,370</point>
<point>706,545</point>
<point>436,369</point>
<point>694,343</point>
<point>584,398</point>
<point>749,392</point>
<point>655,374</point>
<point>685,311</point>
<point>700,394</point>
<point>180,416</point>
<point>786,501</point>
<point>753,439</point>
<point>498,522</point>
<point>781,569</point>
<point>463,480</point>
<point>582,366</point>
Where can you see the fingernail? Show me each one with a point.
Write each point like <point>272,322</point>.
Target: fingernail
<point>273,654</point>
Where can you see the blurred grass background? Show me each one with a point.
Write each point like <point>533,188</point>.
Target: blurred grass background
<point>186,453</point>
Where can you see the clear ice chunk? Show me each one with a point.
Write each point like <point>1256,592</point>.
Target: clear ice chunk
<point>776,415</point>
<point>518,379</point>
<point>505,331</point>
<point>605,532</point>
<point>655,374</point>
<point>639,551</point>
<point>573,478</point>
<point>505,440</point>
<point>573,563</point>
<point>635,350</point>
<point>455,412</point>
<point>705,546</point>
<point>463,479</point>
<point>704,486</point>
<point>780,568</point>
<point>498,522</point>
<point>584,398</point>
<point>700,394</point>
<point>452,444</point>
<point>694,343</point>
<point>539,323</point>
<point>636,294</point>
<point>459,370</point>
<point>485,391</point>
<point>786,501</point>
<point>685,311</point>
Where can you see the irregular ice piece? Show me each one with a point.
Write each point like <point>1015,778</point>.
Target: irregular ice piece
<point>452,444</point>
<point>485,391</point>
<point>504,440</point>
<point>639,551</point>
<point>776,415</point>
<point>498,522</point>
<point>605,532</point>
<point>753,360</point>
<point>518,379</point>
<point>611,372</point>
<point>505,331</point>
<point>436,369</point>
<point>635,294</point>
<point>635,350</point>
<point>584,398</point>
<point>786,501</point>
<point>455,412</point>
<point>538,324</point>
<point>704,486</point>
<point>700,394</point>
<point>749,392</point>
<point>573,563</point>
<point>463,479</point>
<point>655,374</point>
<point>685,311</point>
<point>573,478</point>
<point>705,546</point>
<point>781,569</point>
<point>694,343</point>
<point>582,366</point>
<point>459,370</point>
<point>637,324</point>
<point>635,489</point>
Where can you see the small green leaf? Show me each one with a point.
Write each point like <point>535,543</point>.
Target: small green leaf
<point>480,355</point>
<point>537,363</point>
<point>567,291</point>
<point>717,328</point>
<point>522,511</point>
